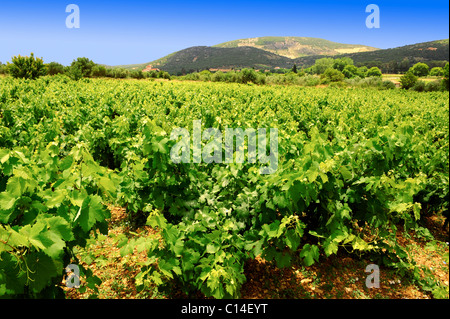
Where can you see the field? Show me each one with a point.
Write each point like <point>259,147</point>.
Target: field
<point>87,177</point>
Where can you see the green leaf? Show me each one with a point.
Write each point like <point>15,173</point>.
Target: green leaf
<point>310,254</point>
<point>92,211</point>
<point>212,249</point>
<point>346,174</point>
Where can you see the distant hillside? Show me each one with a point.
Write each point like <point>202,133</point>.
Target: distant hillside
<point>202,57</point>
<point>419,52</point>
<point>235,55</point>
<point>295,47</point>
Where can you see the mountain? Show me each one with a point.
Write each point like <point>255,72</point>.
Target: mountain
<point>420,52</point>
<point>295,47</point>
<point>203,57</point>
<point>276,52</point>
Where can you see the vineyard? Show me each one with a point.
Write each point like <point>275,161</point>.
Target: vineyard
<point>355,167</point>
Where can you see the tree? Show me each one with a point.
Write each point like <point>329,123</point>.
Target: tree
<point>98,71</point>
<point>27,67</point>
<point>437,71</point>
<point>294,68</point>
<point>55,68</point>
<point>362,71</point>
<point>445,79</point>
<point>322,65</point>
<point>332,75</point>
<point>84,65</point>
<point>374,71</point>
<point>248,75</point>
<point>350,71</point>
<point>408,80</point>
<point>341,63</point>
<point>420,69</point>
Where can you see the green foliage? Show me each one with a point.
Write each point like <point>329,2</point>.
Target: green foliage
<point>82,66</point>
<point>374,71</point>
<point>99,71</point>
<point>420,69</point>
<point>408,80</point>
<point>332,75</point>
<point>341,63</point>
<point>437,71</point>
<point>322,65</point>
<point>346,161</point>
<point>50,204</point>
<point>350,71</point>
<point>445,79</point>
<point>54,68</point>
<point>25,67</point>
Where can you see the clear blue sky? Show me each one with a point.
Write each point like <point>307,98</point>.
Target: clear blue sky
<point>130,31</point>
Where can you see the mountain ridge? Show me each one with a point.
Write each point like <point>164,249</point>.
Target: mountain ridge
<point>235,55</point>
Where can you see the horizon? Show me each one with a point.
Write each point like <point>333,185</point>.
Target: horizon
<point>137,32</point>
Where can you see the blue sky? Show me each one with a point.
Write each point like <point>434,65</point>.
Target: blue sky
<point>127,32</point>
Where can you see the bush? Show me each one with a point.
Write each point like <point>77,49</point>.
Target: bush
<point>387,85</point>
<point>419,86</point>
<point>84,65</point>
<point>27,67</point>
<point>137,74</point>
<point>420,69</point>
<point>99,71</point>
<point>54,68</point>
<point>75,73</point>
<point>445,79</point>
<point>362,72</point>
<point>350,71</point>
<point>374,71</point>
<point>3,69</point>
<point>437,71</point>
<point>433,86</point>
<point>408,80</point>
<point>120,73</point>
<point>219,76</point>
<point>332,75</point>
<point>248,75</point>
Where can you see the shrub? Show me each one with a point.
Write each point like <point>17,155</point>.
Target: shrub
<point>433,86</point>
<point>54,68</point>
<point>408,80</point>
<point>248,75</point>
<point>332,75</point>
<point>121,73</point>
<point>350,71</point>
<point>98,71</point>
<point>445,79</point>
<point>420,69</point>
<point>362,72</point>
<point>74,72</point>
<point>419,86</point>
<point>27,67</point>
<point>219,76</point>
<point>137,74</point>
<point>84,65</point>
<point>374,71</point>
<point>437,71</point>
<point>3,68</point>
<point>387,85</point>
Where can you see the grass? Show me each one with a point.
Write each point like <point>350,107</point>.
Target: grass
<point>340,276</point>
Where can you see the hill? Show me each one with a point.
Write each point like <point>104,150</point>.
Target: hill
<point>203,57</point>
<point>272,52</point>
<point>431,51</point>
<point>295,47</point>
